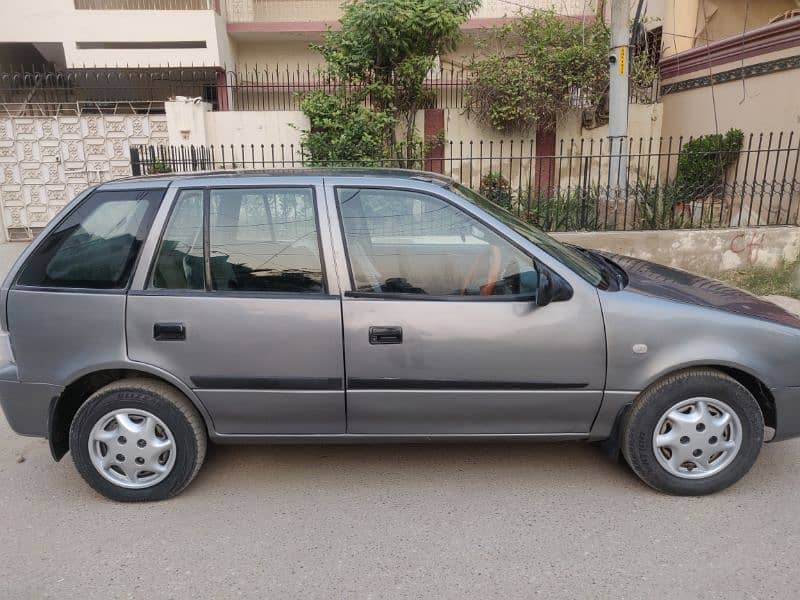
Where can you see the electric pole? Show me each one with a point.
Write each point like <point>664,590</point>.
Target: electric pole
<point>619,65</point>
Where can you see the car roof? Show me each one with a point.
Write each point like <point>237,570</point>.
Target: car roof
<point>166,179</point>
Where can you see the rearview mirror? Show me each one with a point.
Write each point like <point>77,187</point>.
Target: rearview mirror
<point>551,287</point>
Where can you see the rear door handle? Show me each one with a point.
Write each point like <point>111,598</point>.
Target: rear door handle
<point>385,335</point>
<point>169,331</point>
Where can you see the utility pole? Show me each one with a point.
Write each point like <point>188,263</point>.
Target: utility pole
<point>619,65</point>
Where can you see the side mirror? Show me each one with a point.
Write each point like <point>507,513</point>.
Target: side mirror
<point>551,287</point>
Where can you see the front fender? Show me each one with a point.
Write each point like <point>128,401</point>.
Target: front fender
<point>650,337</point>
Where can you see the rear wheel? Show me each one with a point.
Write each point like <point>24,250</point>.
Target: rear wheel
<point>693,433</point>
<point>138,440</point>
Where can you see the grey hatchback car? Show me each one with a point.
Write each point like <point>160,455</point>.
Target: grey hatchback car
<point>158,313</point>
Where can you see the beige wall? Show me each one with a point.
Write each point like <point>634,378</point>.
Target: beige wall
<point>757,104</point>
<point>291,50</point>
<point>192,123</point>
<point>726,18</point>
<point>256,128</point>
<point>58,21</point>
<point>690,23</point>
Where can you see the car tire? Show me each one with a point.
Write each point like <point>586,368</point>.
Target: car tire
<point>683,416</point>
<point>167,437</point>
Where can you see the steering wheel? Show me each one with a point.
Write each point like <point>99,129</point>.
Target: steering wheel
<point>494,257</point>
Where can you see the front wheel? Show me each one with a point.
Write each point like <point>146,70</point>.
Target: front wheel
<point>695,432</point>
<point>137,440</point>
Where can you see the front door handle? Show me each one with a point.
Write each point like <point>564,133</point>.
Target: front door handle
<point>385,335</point>
<point>169,331</point>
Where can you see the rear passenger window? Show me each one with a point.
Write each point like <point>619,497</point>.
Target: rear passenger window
<point>264,240</point>
<point>179,265</point>
<point>96,245</point>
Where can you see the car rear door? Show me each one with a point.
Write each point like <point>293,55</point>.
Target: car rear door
<point>442,335</point>
<point>236,303</point>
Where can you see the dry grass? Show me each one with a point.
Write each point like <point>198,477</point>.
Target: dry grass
<point>783,280</point>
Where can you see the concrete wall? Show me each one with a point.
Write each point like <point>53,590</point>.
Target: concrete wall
<point>59,21</point>
<point>191,123</point>
<point>46,161</point>
<point>764,103</point>
<point>690,23</point>
<point>290,50</point>
<point>707,251</point>
<point>727,18</point>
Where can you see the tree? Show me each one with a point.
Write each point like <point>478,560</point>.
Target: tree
<point>536,68</point>
<point>384,51</point>
<point>529,70</point>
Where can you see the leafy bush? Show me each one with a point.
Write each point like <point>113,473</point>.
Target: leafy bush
<point>575,210</point>
<point>384,51</point>
<point>702,163</point>
<point>515,89</point>
<point>160,167</point>
<point>495,187</point>
<point>655,207</point>
<point>344,132</point>
<point>539,66</point>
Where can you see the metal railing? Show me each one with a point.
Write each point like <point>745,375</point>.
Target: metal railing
<point>144,4</point>
<point>35,92</point>
<point>249,11</point>
<point>572,189</point>
<point>26,91</point>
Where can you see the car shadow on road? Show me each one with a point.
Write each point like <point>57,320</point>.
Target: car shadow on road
<point>540,464</point>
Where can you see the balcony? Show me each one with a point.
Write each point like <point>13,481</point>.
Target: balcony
<point>145,4</point>
<point>283,11</point>
<point>304,14</point>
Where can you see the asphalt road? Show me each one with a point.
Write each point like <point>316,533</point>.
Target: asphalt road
<point>437,521</point>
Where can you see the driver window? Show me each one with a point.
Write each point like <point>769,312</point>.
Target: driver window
<point>403,242</point>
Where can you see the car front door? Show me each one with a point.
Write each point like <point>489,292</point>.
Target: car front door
<point>442,334</point>
<point>236,304</point>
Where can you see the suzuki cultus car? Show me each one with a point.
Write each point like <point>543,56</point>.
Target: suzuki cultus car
<point>156,314</point>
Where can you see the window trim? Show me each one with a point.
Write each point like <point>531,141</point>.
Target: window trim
<point>148,282</point>
<point>392,296</point>
<point>84,290</point>
<point>209,291</point>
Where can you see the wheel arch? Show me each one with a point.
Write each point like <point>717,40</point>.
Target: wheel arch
<point>83,384</point>
<point>755,385</point>
<point>742,374</point>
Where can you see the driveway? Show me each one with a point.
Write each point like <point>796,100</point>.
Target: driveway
<point>436,521</point>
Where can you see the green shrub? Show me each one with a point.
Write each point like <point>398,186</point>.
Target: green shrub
<point>160,167</point>
<point>495,187</point>
<point>562,211</point>
<point>702,163</point>
<point>344,132</point>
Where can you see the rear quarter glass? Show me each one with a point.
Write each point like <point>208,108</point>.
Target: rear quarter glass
<point>96,245</point>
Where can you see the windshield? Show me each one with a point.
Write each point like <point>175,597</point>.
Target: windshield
<point>571,257</point>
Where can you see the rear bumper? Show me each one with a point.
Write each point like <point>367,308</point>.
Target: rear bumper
<point>787,413</point>
<point>26,405</point>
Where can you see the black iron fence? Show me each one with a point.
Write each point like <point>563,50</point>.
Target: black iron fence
<point>36,92</point>
<point>42,91</point>
<point>579,187</point>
